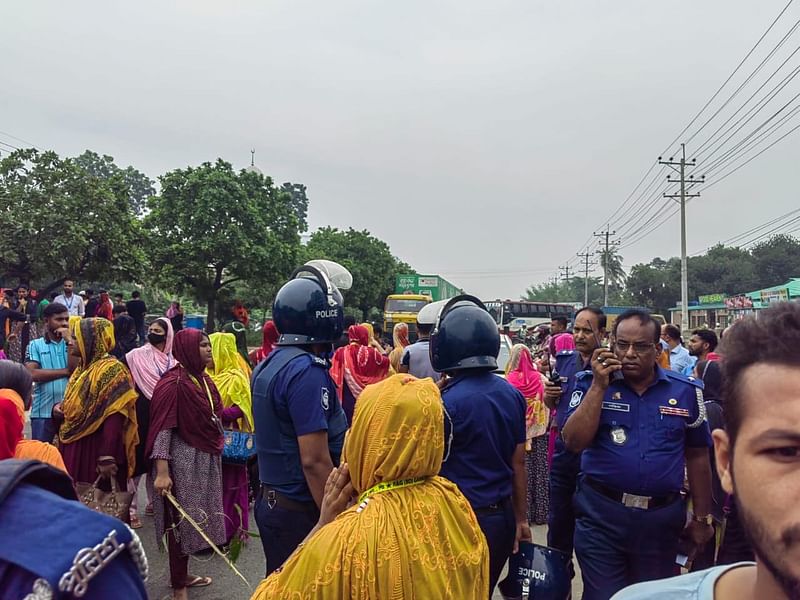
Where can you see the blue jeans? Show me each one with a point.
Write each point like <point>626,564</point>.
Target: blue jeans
<point>281,530</point>
<point>500,528</point>
<point>618,546</point>
<point>43,430</point>
<point>561,518</point>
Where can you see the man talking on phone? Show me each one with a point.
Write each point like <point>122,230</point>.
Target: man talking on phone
<point>46,359</point>
<point>637,426</point>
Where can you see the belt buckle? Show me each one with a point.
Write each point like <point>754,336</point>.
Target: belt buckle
<point>272,499</point>
<point>634,501</point>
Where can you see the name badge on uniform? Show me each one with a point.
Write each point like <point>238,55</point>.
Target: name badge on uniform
<point>617,406</point>
<point>618,436</point>
<point>674,411</point>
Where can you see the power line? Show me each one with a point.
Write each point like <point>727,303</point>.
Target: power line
<point>19,139</point>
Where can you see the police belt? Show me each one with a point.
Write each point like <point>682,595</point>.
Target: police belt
<point>274,498</point>
<point>631,500</point>
<point>498,506</point>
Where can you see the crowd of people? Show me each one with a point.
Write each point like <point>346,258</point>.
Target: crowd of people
<point>415,469</point>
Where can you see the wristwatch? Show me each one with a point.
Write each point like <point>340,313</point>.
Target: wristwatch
<point>707,520</point>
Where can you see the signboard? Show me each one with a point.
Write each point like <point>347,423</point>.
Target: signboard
<point>431,282</point>
<point>781,295</point>
<point>711,298</point>
<point>739,302</point>
<point>406,282</point>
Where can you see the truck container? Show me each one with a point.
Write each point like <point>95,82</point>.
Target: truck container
<point>433,286</point>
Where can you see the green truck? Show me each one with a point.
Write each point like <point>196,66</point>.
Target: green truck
<point>433,286</point>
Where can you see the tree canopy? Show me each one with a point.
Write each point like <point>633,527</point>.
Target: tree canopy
<point>139,186</point>
<point>211,227</point>
<point>57,221</point>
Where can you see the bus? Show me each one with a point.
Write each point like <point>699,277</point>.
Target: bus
<point>403,308</point>
<point>522,314</point>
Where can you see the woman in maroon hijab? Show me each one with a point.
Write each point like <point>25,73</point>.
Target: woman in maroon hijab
<point>185,443</point>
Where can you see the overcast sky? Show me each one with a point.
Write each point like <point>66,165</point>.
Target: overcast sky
<point>484,141</point>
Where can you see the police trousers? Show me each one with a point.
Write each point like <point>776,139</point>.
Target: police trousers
<point>499,526</point>
<point>618,546</point>
<point>282,529</point>
<point>561,518</point>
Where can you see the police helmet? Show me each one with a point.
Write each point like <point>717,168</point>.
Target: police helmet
<point>430,312</point>
<point>464,337</point>
<point>309,308</point>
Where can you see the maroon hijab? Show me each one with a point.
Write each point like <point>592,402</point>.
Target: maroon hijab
<point>179,403</point>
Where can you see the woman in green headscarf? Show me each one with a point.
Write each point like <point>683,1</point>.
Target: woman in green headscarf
<point>234,389</point>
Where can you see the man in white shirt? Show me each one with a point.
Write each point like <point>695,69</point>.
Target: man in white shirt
<point>72,301</point>
<point>757,460</point>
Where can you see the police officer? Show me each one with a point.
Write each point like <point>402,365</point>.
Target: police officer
<point>299,421</point>
<point>588,332</point>
<point>485,420</point>
<point>638,426</point>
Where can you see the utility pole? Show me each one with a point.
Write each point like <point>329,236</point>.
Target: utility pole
<point>586,264</point>
<point>680,168</point>
<point>565,272</point>
<point>608,243</point>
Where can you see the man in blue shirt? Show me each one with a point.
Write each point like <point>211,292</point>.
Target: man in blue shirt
<point>679,358</point>
<point>588,332</point>
<point>299,421</point>
<point>638,427</point>
<point>47,361</point>
<point>757,458</point>
<point>485,419</point>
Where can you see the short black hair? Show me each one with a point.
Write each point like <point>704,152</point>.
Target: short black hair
<point>602,320</point>
<point>772,338</point>
<point>424,329</point>
<point>672,332</point>
<point>15,376</point>
<point>708,336</point>
<point>22,286</point>
<point>135,295</point>
<point>644,318</point>
<point>560,319</point>
<point>119,309</point>
<point>89,292</point>
<point>54,308</point>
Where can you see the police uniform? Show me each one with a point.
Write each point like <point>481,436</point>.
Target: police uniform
<point>628,504</point>
<point>96,556</point>
<point>297,399</point>
<point>565,465</point>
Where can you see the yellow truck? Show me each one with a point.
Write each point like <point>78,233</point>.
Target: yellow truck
<point>403,308</point>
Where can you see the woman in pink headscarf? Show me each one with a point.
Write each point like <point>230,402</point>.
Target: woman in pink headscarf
<point>147,364</point>
<point>521,373</point>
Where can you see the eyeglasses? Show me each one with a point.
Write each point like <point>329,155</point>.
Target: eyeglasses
<point>640,348</point>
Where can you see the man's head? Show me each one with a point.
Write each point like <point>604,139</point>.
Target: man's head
<point>558,324</point>
<point>136,295</point>
<point>589,329</point>
<point>702,342</point>
<point>637,344</point>
<point>22,292</point>
<point>89,293</point>
<point>69,286</point>
<point>758,453</point>
<point>119,310</point>
<point>118,298</point>
<point>56,316</point>
<point>671,334</point>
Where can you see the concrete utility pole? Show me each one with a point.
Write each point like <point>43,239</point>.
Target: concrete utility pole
<point>586,264</point>
<point>680,168</point>
<point>565,273</point>
<point>608,243</point>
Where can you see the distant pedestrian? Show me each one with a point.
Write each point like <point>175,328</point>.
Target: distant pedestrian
<point>72,301</point>
<point>679,358</point>
<point>400,338</point>
<point>175,315</point>
<point>124,336</point>
<point>138,309</point>
<point>416,359</point>
<point>105,309</point>
<point>269,337</point>
<point>24,331</point>
<point>92,302</point>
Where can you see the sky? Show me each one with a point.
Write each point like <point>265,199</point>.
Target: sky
<point>483,141</point>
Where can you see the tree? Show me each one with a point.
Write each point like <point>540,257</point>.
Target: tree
<point>211,227</point>
<point>611,263</point>
<point>299,203</point>
<point>566,291</point>
<point>58,222</point>
<point>369,259</point>
<point>776,260</point>
<point>139,186</point>
<point>655,285</point>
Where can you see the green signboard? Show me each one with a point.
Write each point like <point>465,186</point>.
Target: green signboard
<point>711,298</point>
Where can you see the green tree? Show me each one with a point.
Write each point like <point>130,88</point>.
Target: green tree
<point>299,203</point>
<point>655,285</point>
<point>611,263</point>
<point>139,186</point>
<point>212,227</point>
<point>59,222</point>
<point>566,291</point>
<point>369,259</point>
<point>775,261</point>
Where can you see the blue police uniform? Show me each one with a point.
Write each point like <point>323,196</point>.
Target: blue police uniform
<point>628,507</point>
<point>565,465</point>
<point>293,395</point>
<point>487,415</point>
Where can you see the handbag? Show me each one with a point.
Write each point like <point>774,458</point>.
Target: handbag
<point>239,446</point>
<point>114,503</point>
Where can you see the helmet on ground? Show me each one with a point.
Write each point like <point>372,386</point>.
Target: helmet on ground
<point>309,308</point>
<point>464,337</point>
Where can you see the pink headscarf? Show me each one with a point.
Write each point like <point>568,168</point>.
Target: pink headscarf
<point>522,374</point>
<point>564,341</point>
<point>147,364</point>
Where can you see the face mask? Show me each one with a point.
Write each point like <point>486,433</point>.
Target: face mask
<point>156,338</point>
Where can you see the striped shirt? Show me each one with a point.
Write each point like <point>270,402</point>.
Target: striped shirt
<point>48,355</point>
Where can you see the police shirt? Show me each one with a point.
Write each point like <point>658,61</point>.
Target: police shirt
<point>568,364</point>
<point>488,422</point>
<point>304,401</point>
<point>640,442</point>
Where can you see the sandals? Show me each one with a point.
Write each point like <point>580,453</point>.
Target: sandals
<point>196,581</point>
<point>136,523</point>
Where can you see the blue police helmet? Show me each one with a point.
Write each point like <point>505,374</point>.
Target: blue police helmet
<point>464,337</point>
<point>308,309</point>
